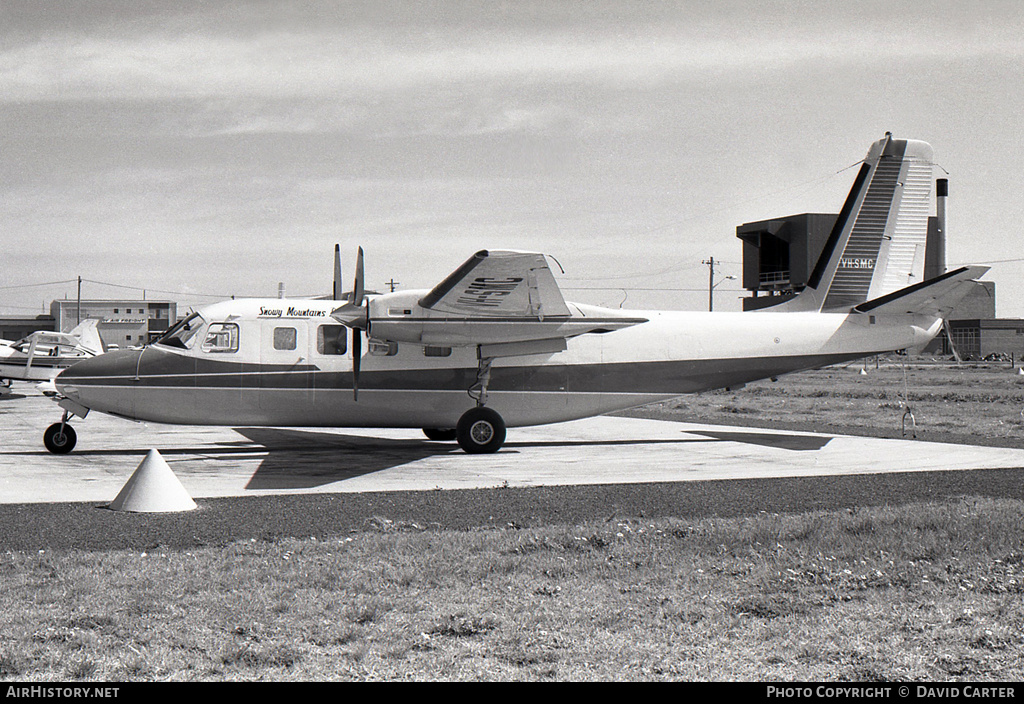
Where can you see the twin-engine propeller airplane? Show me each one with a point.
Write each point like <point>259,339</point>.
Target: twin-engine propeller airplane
<point>41,355</point>
<point>495,344</point>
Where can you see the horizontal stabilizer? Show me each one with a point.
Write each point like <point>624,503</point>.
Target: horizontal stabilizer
<point>936,296</point>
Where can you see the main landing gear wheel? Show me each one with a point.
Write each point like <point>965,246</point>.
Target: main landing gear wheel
<point>480,431</point>
<point>440,433</point>
<point>60,438</point>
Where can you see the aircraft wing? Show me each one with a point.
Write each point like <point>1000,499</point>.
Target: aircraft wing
<point>935,297</point>
<point>64,339</point>
<point>494,298</point>
<point>499,283</point>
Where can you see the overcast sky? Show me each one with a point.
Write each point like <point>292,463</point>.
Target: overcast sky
<point>200,150</point>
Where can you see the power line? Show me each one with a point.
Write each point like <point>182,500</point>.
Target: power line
<point>157,290</point>
<point>35,308</point>
<point>675,265</point>
<point>1000,261</point>
<point>107,283</point>
<point>48,283</point>
<point>810,182</point>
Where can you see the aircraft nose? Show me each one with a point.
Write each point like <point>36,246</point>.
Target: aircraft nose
<point>111,365</point>
<point>104,382</point>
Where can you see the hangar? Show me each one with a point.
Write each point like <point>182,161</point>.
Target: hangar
<point>18,328</point>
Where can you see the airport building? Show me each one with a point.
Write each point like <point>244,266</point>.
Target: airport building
<point>17,328</point>
<point>985,338</point>
<point>123,323</point>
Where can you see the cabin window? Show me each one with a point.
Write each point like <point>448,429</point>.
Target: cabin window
<point>221,337</point>
<point>285,338</point>
<point>429,351</point>
<point>331,339</point>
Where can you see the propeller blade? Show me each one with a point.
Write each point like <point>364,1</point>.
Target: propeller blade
<point>337,293</point>
<point>354,314</point>
<point>358,289</point>
<point>357,355</point>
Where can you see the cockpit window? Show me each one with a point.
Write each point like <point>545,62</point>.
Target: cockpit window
<point>183,334</point>
<point>221,337</point>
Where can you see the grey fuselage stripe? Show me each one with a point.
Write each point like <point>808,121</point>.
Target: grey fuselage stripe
<point>660,377</point>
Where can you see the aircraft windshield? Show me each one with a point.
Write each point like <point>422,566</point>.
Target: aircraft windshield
<point>184,333</point>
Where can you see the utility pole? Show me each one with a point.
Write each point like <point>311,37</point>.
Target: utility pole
<point>78,314</point>
<point>391,284</point>
<point>710,261</point>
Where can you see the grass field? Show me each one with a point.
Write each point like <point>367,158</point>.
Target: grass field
<point>907,591</point>
<point>971,402</point>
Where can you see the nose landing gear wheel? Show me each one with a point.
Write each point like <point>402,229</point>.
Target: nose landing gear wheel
<point>480,431</point>
<point>60,438</point>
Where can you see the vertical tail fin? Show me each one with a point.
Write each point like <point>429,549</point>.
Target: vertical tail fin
<point>88,336</point>
<point>878,243</point>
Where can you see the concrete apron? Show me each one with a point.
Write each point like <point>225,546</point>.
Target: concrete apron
<point>219,462</point>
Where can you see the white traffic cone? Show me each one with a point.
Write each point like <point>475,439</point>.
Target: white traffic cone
<point>153,488</point>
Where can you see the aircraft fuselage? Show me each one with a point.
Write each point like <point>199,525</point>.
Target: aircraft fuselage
<point>289,364</point>
<point>14,364</point>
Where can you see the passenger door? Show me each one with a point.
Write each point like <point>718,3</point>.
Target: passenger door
<point>330,356</point>
<point>284,365</point>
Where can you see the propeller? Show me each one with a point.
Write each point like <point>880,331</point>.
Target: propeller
<point>354,313</point>
<point>337,273</point>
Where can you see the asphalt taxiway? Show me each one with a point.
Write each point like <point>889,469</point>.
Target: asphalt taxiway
<point>213,462</point>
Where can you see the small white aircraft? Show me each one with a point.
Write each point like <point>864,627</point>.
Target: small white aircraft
<point>495,345</point>
<point>41,355</point>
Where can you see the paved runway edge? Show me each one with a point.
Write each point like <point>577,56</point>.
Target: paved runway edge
<point>220,521</point>
<point>213,462</point>
<point>276,483</point>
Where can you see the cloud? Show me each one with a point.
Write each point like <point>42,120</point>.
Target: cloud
<point>200,125</point>
<point>199,59</point>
